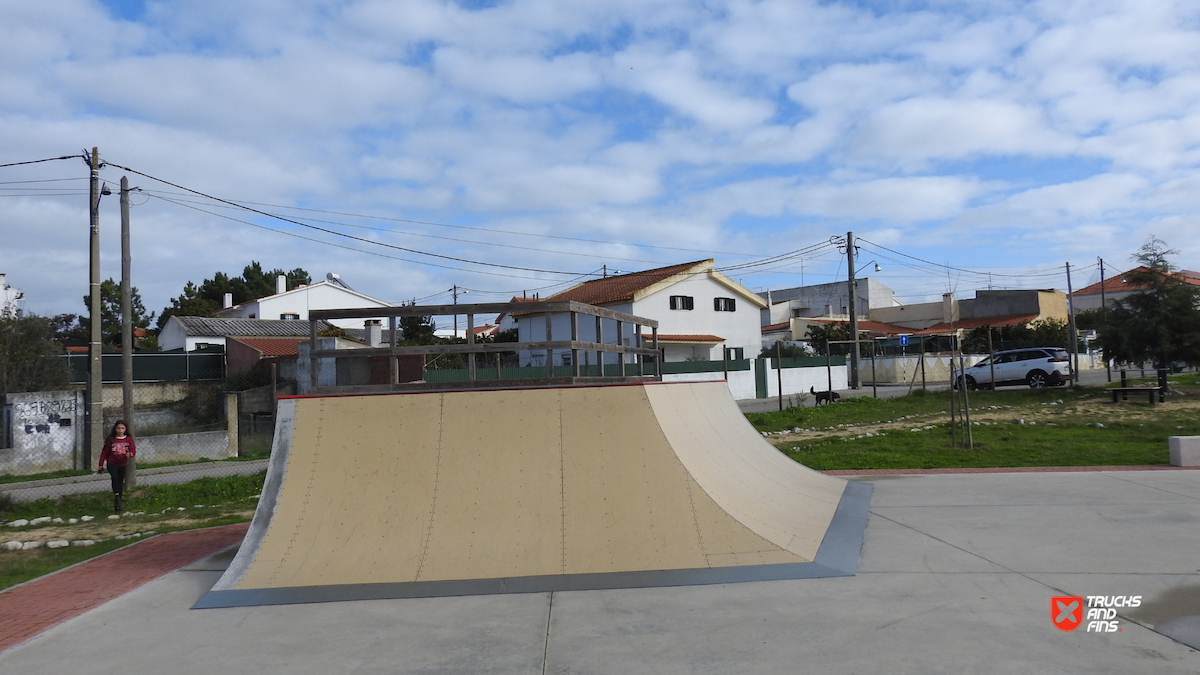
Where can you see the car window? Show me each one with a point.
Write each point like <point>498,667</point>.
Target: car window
<point>983,364</point>
<point>1028,356</point>
<point>1003,358</point>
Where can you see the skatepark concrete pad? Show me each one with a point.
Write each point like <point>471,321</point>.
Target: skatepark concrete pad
<point>532,490</point>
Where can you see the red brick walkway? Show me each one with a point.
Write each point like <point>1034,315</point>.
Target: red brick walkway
<point>1007,469</point>
<point>32,608</point>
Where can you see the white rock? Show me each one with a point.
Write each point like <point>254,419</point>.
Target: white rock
<point>1032,423</point>
<point>39,521</point>
<point>72,521</point>
<point>1098,425</point>
<point>151,532</point>
<point>87,518</point>
<point>58,543</point>
<point>11,546</point>
<point>31,545</point>
<point>83,542</point>
<point>121,537</point>
<point>57,520</point>
<point>20,522</point>
<point>114,517</point>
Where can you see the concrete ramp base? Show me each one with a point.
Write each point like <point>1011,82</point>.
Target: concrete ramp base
<point>533,490</point>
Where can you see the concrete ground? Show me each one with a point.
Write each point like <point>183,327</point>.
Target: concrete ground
<point>957,576</point>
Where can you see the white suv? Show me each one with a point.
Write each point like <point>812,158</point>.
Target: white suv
<point>1036,366</point>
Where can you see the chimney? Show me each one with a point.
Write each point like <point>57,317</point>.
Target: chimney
<point>949,308</point>
<point>374,333</point>
<point>227,301</point>
<point>280,284</point>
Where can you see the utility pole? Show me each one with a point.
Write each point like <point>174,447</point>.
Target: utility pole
<point>1074,337</point>
<point>454,290</point>
<point>1104,316</point>
<point>127,329</point>
<point>95,390</point>
<point>853,292</point>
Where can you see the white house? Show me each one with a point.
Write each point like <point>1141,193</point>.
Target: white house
<point>699,312</point>
<point>190,333</point>
<point>10,298</point>
<point>296,303</point>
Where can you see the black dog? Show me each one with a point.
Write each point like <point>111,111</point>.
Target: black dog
<point>825,396</point>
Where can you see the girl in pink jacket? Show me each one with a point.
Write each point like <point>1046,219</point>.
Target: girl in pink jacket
<point>118,450</point>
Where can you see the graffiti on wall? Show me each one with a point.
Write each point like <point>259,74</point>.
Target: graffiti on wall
<point>39,417</point>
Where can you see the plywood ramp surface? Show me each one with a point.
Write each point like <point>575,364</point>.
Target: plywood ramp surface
<point>437,487</point>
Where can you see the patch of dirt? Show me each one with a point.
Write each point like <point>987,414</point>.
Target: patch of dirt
<point>1096,408</point>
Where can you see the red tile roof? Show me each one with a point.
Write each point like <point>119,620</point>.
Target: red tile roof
<point>777,326</point>
<point>1117,284</point>
<point>622,288</point>
<point>272,346</point>
<point>968,324</point>
<point>868,325</point>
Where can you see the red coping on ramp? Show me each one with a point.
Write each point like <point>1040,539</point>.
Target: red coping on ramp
<point>29,609</point>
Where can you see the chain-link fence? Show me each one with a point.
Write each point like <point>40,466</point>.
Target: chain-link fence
<point>44,453</point>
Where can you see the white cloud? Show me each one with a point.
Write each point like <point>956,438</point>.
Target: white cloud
<point>915,131</point>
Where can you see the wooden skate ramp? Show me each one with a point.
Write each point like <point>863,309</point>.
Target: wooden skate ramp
<point>469,492</point>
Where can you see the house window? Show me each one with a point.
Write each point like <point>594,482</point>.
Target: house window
<point>724,305</point>
<point>289,316</point>
<point>682,302</point>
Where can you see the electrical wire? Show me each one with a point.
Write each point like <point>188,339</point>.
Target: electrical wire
<point>39,161</point>
<point>492,230</point>
<point>341,246</point>
<point>342,234</point>
<point>467,241</point>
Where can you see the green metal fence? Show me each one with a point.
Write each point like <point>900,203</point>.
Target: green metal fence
<point>189,367</point>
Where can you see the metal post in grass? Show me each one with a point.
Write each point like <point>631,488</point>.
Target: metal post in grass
<point>874,380</point>
<point>828,368</point>
<point>953,406</point>
<point>991,359</point>
<point>779,374</point>
<point>968,436</point>
<point>923,385</point>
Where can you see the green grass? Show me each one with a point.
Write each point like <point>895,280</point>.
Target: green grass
<point>206,502</point>
<point>66,473</point>
<point>1070,440</point>
<point>233,490</point>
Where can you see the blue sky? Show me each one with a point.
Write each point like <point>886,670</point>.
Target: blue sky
<point>994,140</point>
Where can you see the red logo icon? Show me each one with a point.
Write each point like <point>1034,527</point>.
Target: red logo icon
<point>1067,612</point>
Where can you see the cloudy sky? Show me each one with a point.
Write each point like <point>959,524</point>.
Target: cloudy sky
<point>531,143</point>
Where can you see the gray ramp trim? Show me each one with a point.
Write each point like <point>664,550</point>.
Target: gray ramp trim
<point>280,449</point>
<point>837,557</point>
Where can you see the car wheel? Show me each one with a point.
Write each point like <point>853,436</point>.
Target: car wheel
<point>1036,379</point>
<point>971,385</point>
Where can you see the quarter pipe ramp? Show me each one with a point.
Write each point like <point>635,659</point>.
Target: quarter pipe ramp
<point>521,490</point>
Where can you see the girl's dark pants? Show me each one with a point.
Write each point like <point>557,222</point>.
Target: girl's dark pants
<point>117,473</point>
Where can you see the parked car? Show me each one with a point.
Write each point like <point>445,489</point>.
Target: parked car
<point>1035,366</point>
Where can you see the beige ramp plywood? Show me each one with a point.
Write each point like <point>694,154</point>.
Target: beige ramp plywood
<point>499,498</point>
<point>355,503</point>
<point>784,502</point>
<point>626,504</point>
<point>630,503</point>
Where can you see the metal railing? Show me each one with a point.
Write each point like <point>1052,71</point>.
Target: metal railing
<point>643,350</point>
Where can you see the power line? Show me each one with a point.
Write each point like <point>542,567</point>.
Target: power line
<point>342,234</point>
<point>39,161</point>
<point>377,254</point>
<point>488,229</point>
<point>434,236</point>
